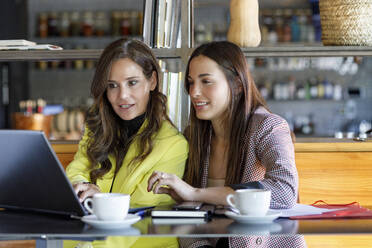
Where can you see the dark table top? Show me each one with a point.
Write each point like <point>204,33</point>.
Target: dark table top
<point>15,225</point>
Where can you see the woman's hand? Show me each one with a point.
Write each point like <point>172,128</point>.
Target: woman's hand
<point>175,187</point>
<point>85,190</point>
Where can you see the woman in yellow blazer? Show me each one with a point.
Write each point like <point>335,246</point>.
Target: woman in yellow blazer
<point>128,134</point>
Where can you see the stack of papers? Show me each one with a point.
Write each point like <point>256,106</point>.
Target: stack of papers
<point>179,214</point>
<point>26,45</point>
<point>301,209</point>
<point>167,212</point>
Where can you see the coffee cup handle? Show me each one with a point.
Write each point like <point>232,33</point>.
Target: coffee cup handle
<point>86,205</point>
<point>228,199</point>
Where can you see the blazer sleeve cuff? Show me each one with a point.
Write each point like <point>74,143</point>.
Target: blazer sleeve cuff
<point>249,185</point>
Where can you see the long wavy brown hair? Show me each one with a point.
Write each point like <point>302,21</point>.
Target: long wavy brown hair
<point>107,134</point>
<point>244,100</point>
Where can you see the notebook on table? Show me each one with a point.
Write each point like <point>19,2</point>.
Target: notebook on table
<point>31,176</point>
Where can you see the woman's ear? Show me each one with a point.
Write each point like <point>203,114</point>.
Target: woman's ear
<point>153,81</point>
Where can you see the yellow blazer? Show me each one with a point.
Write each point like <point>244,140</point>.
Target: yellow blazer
<point>169,154</point>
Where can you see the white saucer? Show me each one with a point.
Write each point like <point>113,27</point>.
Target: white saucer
<point>100,224</point>
<point>248,219</point>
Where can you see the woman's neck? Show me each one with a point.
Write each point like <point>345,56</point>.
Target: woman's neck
<point>134,125</point>
<point>219,131</point>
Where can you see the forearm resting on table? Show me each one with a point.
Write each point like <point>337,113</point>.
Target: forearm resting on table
<point>213,195</point>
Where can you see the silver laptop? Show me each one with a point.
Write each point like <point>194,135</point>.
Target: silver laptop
<point>31,176</point>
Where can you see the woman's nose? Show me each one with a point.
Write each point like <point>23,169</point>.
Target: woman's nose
<point>195,91</point>
<point>123,93</point>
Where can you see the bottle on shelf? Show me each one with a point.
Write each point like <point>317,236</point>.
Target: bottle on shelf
<point>277,91</point>
<point>43,25</point>
<point>79,64</point>
<point>300,91</point>
<point>125,25</point>
<point>88,24</point>
<point>328,89</point>
<point>102,24</point>
<point>89,64</point>
<point>288,116</point>
<point>64,24</point>
<point>302,21</point>
<point>53,24</point>
<point>75,26</point>
<point>266,21</point>
<point>313,88</point>
<point>287,25</point>
<point>268,26</point>
<point>321,88</point>
<point>295,28</point>
<point>316,19</point>
<point>284,91</point>
<point>287,33</point>
<point>308,125</point>
<point>310,27</point>
<point>200,34</point>
<point>263,91</point>
<point>134,23</point>
<point>337,92</point>
<point>54,64</point>
<point>279,24</point>
<point>291,87</point>
<point>115,23</point>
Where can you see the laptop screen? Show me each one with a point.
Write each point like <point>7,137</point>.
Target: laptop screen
<point>31,176</point>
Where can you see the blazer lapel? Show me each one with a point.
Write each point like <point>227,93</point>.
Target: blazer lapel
<point>205,165</point>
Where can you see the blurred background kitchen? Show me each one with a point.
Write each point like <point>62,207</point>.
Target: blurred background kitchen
<point>319,97</point>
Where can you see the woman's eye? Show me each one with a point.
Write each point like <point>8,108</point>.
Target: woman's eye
<point>205,81</point>
<point>132,83</point>
<point>112,85</point>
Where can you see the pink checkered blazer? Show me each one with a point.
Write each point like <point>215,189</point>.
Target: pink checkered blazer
<point>269,161</point>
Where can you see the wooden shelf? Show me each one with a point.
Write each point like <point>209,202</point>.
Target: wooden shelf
<point>73,54</point>
<point>87,40</point>
<point>308,51</point>
<point>175,53</point>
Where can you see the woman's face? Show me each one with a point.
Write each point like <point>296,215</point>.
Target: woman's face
<point>128,89</point>
<point>209,90</point>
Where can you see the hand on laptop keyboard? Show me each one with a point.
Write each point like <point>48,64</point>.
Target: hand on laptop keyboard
<point>85,190</point>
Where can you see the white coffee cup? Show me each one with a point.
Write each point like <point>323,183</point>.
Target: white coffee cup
<point>253,202</point>
<point>108,206</point>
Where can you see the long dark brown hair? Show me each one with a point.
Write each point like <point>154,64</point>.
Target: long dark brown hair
<point>107,134</point>
<point>244,100</point>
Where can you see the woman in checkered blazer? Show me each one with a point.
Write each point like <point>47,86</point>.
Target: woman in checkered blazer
<point>234,142</point>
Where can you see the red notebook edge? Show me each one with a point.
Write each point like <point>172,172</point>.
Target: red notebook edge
<point>350,210</point>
